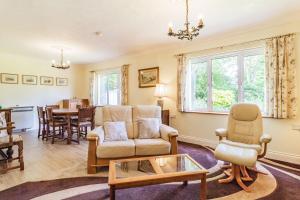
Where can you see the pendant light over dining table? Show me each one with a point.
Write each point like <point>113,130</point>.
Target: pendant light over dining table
<point>61,64</point>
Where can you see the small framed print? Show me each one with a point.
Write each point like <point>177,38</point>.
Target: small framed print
<point>61,81</point>
<point>148,77</point>
<point>9,78</point>
<point>46,80</point>
<point>29,79</point>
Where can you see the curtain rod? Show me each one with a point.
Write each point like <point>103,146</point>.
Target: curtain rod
<point>221,47</point>
<point>109,68</point>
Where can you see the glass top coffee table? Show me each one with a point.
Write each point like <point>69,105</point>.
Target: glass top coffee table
<point>135,172</point>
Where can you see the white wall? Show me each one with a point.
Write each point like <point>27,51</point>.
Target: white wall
<point>33,95</point>
<point>199,128</point>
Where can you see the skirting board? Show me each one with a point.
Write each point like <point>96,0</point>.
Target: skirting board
<point>276,155</point>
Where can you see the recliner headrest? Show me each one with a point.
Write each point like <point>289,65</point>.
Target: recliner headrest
<point>245,112</point>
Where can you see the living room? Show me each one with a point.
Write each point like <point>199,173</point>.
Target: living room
<point>124,45</point>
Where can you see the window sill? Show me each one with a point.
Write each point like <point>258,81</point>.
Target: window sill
<point>216,113</point>
<point>207,113</point>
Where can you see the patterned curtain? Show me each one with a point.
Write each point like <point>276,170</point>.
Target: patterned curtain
<point>124,81</point>
<point>280,77</point>
<point>181,82</point>
<point>92,87</point>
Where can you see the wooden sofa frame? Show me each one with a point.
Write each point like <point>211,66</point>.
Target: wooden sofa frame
<point>93,162</point>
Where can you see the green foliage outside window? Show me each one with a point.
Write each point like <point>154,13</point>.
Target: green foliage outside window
<point>225,82</point>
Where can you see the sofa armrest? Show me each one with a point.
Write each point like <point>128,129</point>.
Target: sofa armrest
<point>95,137</point>
<point>265,138</point>
<point>96,134</point>
<point>221,132</point>
<point>167,132</point>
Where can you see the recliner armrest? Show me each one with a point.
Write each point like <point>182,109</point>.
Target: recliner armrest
<point>221,132</point>
<point>96,134</point>
<point>167,132</point>
<point>265,138</point>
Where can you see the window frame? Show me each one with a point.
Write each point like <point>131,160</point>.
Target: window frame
<point>106,73</point>
<point>240,54</point>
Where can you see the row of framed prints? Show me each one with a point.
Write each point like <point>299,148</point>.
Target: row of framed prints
<point>32,80</point>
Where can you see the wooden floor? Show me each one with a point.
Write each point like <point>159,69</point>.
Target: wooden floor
<point>45,161</point>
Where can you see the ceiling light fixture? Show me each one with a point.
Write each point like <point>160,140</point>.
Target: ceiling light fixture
<point>61,64</point>
<point>189,32</point>
<point>98,33</point>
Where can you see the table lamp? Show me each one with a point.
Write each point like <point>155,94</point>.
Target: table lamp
<point>160,92</point>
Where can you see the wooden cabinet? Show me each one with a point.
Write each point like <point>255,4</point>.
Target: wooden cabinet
<point>165,117</point>
<point>73,103</point>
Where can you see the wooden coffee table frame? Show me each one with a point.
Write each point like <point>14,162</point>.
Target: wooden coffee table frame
<point>159,178</point>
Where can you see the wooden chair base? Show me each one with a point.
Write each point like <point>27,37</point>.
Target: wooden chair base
<point>6,163</point>
<point>235,173</point>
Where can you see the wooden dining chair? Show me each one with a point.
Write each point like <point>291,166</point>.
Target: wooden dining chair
<point>86,119</point>
<point>55,126</point>
<point>7,141</point>
<point>42,122</point>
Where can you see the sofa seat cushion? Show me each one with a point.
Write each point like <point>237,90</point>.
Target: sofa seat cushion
<point>116,149</point>
<point>145,147</point>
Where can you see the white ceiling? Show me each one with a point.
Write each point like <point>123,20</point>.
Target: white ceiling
<point>35,27</point>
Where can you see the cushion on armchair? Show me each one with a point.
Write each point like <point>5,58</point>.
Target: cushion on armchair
<point>148,128</point>
<point>115,131</point>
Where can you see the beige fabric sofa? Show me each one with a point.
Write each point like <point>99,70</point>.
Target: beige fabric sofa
<point>101,151</point>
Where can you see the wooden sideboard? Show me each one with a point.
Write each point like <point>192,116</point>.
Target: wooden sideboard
<point>165,117</point>
<point>73,103</point>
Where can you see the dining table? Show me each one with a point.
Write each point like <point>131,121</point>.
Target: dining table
<point>67,114</point>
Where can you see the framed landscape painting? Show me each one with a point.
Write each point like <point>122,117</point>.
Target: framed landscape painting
<point>148,77</point>
<point>9,78</point>
<point>46,80</point>
<point>61,81</point>
<point>29,79</point>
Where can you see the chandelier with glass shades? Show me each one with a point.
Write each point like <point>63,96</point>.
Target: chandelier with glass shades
<point>62,64</point>
<point>189,32</point>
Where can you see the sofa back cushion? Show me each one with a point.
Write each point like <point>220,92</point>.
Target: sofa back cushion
<point>119,113</point>
<point>144,111</point>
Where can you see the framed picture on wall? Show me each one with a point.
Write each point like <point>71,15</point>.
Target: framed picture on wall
<point>61,81</point>
<point>9,78</point>
<point>29,79</point>
<point>148,77</point>
<point>46,80</point>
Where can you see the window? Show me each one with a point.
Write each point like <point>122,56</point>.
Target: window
<point>108,86</point>
<point>216,82</point>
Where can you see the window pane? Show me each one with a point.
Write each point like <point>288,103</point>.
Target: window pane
<point>254,80</point>
<point>113,88</point>
<point>199,86</point>
<point>108,88</point>
<point>103,90</point>
<point>224,83</point>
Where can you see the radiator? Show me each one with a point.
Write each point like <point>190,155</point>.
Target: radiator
<point>23,117</point>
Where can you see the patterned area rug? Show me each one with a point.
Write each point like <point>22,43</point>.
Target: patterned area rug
<point>282,182</point>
